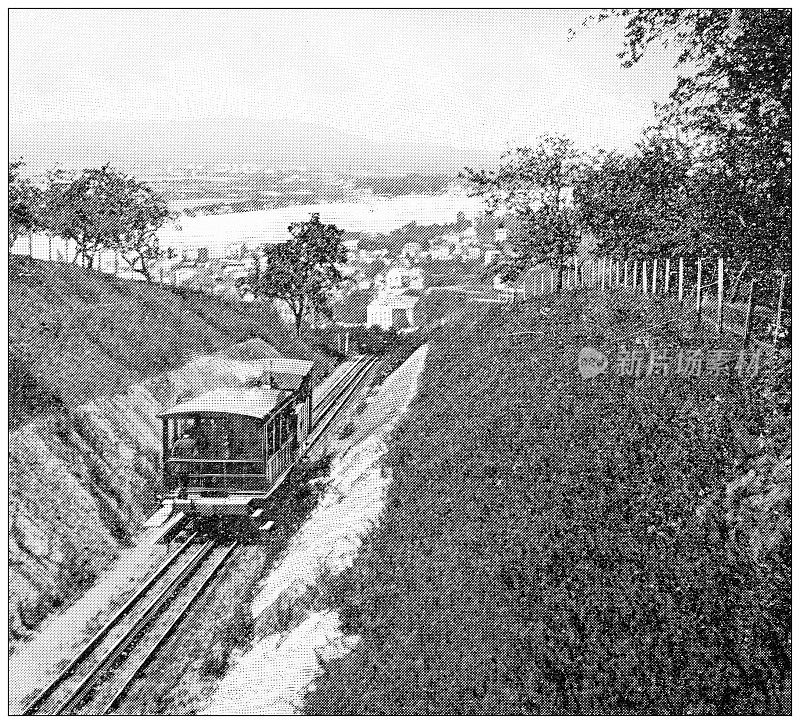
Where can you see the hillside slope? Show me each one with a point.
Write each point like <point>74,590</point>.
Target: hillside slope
<point>77,334</point>
<point>555,545</point>
<point>93,359</point>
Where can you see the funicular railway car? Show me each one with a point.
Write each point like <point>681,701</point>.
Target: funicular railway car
<point>227,450</point>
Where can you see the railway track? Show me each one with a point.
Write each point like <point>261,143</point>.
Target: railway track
<point>98,677</point>
<point>95,681</point>
<point>339,396</point>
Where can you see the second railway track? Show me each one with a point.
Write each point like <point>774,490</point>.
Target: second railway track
<point>95,680</point>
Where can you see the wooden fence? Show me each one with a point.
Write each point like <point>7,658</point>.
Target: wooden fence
<point>701,283</point>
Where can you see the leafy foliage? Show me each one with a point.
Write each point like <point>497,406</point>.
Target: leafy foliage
<point>636,205</point>
<point>24,204</point>
<point>713,178</point>
<point>535,184</point>
<point>105,209</point>
<point>304,270</point>
<point>733,103</point>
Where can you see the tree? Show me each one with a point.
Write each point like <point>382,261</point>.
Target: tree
<point>144,213</point>
<point>734,99</point>
<point>24,204</point>
<point>303,270</point>
<point>639,204</point>
<point>105,209</point>
<point>535,185</point>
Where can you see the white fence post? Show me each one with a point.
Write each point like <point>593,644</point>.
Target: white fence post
<point>680,280</point>
<point>699,302</point>
<point>666,277</point>
<point>720,293</point>
<point>779,314</point>
<point>644,277</point>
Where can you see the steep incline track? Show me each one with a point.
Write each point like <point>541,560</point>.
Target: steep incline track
<point>98,677</point>
<point>91,684</point>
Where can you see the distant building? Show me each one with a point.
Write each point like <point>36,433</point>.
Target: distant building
<point>471,253</point>
<point>490,256</point>
<point>411,249</point>
<point>392,310</point>
<point>399,278</point>
<point>181,274</point>
<point>234,271</point>
<point>441,252</point>
<point>501,235</point>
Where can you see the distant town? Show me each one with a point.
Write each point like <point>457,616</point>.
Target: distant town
<point>386,275</point>
<point>216,237</point>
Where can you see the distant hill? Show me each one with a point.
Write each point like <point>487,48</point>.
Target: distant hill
<point>133,143</point>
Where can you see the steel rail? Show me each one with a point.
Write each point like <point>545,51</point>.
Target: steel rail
<point>339,386</point>
<point>326,412</point>
<point>338,383</point>
<point>341,400</point>
<point>331,400</point>
<point>32,708</point>
<point>168,632</point>
<point>356,372</point>
<point>97,671</point>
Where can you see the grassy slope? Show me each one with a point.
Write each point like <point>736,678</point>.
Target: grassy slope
<point>553,545</point>
<point>77,334</point>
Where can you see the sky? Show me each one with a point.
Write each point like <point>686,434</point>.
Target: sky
<point>467,79</point>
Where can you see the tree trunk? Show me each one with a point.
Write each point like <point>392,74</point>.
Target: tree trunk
<point>299,313</point>
<point>144,271</point>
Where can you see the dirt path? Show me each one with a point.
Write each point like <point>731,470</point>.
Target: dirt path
<point>33,666</point>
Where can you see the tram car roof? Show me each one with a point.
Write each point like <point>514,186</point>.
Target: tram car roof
<point>287,374</point>
<point>254,402</point>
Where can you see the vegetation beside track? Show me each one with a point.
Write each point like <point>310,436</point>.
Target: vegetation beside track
<point>554,545</point>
